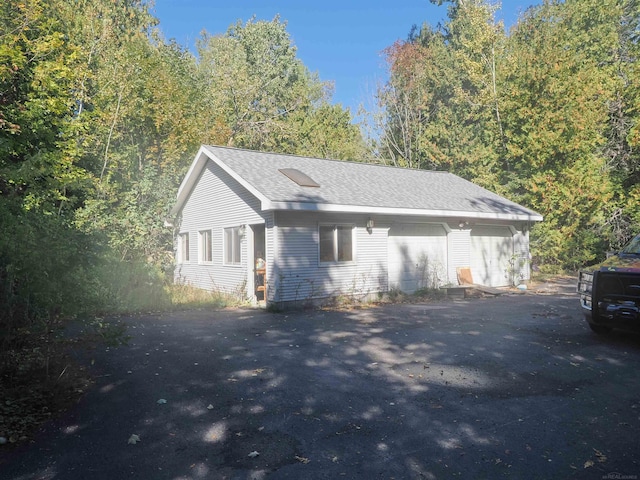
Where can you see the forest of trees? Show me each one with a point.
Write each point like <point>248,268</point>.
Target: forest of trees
<point>100,117</point>
<point>545,114</point>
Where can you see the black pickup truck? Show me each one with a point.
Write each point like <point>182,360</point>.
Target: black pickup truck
<point>610,291</point>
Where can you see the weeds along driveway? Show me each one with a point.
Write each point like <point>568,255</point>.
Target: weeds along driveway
<point>508,387</point>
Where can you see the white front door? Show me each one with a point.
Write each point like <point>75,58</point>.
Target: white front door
<point>417,256</point>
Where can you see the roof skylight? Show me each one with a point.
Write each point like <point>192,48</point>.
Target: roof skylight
<point>299,177</point>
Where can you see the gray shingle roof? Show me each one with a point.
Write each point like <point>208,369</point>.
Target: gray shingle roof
<point>361,186</point>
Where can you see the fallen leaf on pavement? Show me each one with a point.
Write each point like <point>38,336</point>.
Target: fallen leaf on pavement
<point>588,464</point>
<point>253,454</point>
<point>133,439</point>
<point>601,456</point>
<point>162,401</point>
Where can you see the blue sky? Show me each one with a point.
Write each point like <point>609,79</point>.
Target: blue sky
<point>340,40</point>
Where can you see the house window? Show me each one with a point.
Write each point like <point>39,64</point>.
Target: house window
<point>184,247</point>
<point>232,246</point>
<point>205,246</point>
<point>336,243</point>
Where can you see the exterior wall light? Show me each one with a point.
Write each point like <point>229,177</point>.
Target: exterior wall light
<point>370,225</point>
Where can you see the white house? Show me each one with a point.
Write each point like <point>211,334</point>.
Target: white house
<point>328,228</point>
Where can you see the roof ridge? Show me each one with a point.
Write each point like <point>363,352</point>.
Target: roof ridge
<point>353,162</point>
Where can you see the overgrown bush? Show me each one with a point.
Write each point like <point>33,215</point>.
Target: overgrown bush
<point>45,274</point>
<point>130,286</point>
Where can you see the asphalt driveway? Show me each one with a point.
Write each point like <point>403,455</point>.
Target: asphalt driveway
<point>514,386</point>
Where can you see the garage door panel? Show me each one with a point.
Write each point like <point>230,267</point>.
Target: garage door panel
<point>415,253</point>
<point>491,252</point>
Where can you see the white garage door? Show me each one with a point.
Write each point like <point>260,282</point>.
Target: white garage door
<point>417,255</point>
<point>491,252</point>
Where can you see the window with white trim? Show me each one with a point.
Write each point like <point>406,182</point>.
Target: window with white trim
<point>183,247</point>
<point>232,246</point>
<point>336,243</point>
<point>205,246</point>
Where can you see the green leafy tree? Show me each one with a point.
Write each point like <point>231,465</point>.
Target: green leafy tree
<point>136,119</point>
<point>478,42</point>
<point>622,215</point>
<point>44,259</point>
<point>546,115</point>
<point>416,101</point>
<point>560,89</point>
<point>261,96</point>
<point>326,131</point>
<point>442,100</point>
<point>254,83</point>
<point>38,160</point>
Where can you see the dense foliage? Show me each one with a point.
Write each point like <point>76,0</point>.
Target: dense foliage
<point>546,114</point>
<point>100,117</point>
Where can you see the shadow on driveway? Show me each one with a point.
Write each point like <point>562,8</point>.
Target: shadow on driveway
<point>514,386</point>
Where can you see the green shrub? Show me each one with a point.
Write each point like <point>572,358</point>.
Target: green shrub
<point>129,286</point>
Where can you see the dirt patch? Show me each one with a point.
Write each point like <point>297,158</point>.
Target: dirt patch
<point>36,388</point>
<point>559,284</point>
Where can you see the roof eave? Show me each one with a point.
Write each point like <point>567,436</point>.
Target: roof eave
<point>325,207</point>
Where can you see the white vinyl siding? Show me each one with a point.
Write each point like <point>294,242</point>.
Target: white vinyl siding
<point>217,202</point>
<point>301,275</point>
<point>417,256</point>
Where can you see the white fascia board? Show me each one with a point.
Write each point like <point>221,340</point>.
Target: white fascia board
<point>325,207</point>
<point>193,172</point>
